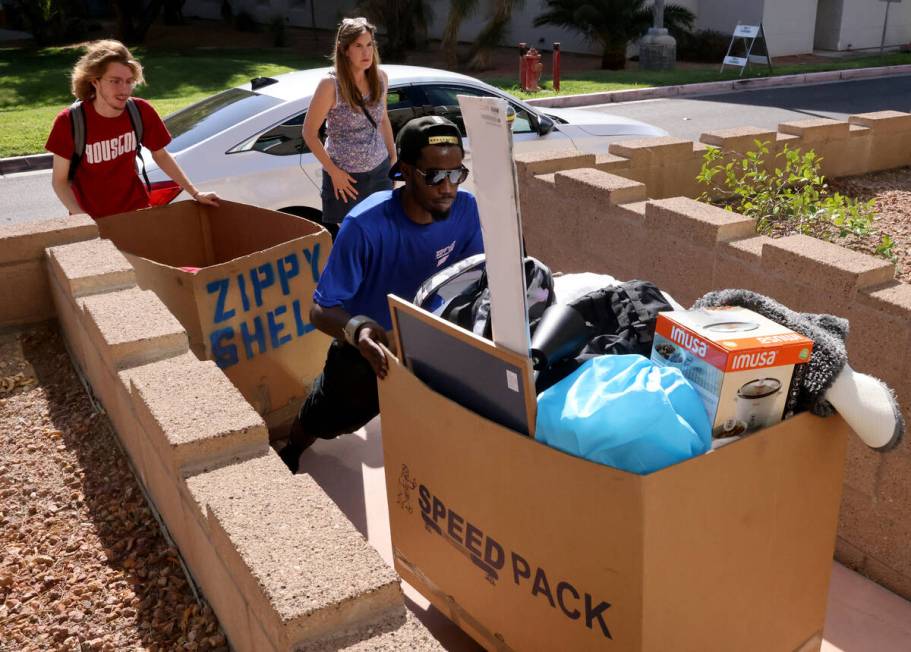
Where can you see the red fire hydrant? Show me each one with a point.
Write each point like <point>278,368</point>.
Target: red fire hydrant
<point>533,70</point>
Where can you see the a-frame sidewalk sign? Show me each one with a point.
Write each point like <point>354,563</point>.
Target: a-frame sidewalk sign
<point>748,36</point>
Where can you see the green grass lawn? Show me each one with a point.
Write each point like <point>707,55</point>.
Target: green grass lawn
<point>34,84</point>
<point>612,80</point>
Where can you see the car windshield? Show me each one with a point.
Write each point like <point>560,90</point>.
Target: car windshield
<point>214,114</point>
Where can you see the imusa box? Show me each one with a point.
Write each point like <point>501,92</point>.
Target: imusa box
<point>528,548</point>
<point>240,280</point>
<point>745,367</point>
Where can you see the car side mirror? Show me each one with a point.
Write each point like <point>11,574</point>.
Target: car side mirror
<point>545,124</point>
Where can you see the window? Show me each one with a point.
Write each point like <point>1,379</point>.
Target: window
<point>284,140</point>
<point>446,95</point>
<point>214,114</point>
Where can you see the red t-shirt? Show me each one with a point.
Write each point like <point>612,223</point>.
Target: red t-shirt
<point>106,181</point>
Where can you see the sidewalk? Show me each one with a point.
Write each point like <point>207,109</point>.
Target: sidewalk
<point>862,616</point>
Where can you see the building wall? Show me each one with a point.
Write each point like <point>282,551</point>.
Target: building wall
<point>862,24</point>
<point>792,26</point>
<point>789,26</point>
<point>723,15</point>
<point>828,24</point>
<point>328,14</point>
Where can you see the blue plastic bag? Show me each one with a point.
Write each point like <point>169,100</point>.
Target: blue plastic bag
<point>625,412</point>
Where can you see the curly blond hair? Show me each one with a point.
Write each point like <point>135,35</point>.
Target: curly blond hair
<point>93,64</point>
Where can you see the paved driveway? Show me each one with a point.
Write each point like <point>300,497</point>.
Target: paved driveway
<point>689,118</point>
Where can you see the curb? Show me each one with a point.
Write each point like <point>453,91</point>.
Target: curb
<point>707,88</point>
<point>26,163</point>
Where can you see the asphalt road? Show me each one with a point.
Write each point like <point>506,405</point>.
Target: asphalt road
<point>689,118</point>
<point>28,196</point>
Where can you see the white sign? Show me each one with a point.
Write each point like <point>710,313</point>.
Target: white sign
<point>746,37</point>
<point>747,31</point>
<point>496,189</point>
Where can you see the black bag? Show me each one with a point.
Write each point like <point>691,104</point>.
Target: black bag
<point>622,318</point>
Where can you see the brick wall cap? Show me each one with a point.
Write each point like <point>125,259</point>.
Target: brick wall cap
<point>538,162</point>
<point>296,543</point>
<point>28,240</point>
<point>893,297</point>
<point>803,254</point>
<point>398,632</point>
<point>130,315</point>
<point>697,221</point>
<point>718,136</point>
<point>194,403</point>
<point>92,266</point>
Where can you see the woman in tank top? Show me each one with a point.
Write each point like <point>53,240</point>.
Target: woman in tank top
<point>359,147</point>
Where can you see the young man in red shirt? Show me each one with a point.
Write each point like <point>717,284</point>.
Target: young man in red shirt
<point>106,181</point>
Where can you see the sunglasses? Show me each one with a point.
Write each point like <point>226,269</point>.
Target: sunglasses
<point>436,177</point>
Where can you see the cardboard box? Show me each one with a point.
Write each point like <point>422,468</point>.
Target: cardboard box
<point>247,306</point>
<point>745,367</point>
<point>527,548</point>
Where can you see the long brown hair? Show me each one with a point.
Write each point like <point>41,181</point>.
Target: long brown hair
<point>349,31</point>
<point>93,64</point>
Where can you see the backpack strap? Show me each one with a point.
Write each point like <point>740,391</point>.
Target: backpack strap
<point>136,122</point>
<point>77,124</point>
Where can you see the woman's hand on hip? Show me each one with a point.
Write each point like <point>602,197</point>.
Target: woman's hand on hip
<point>342,184</point>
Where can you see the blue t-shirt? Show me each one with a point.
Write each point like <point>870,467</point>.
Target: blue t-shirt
<point>380,251</point>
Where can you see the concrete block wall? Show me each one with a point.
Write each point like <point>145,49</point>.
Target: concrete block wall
<point>281,565</point>
<point>585,213</point>
<point>668,166</point>
<point>25,296</point>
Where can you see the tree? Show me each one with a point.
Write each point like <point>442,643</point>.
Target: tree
<point>459,10</point>
<point>612,23</point>
<point>135,18</point>
<point>49,21</point>
<point>492,34</point>
<point>404,21</point>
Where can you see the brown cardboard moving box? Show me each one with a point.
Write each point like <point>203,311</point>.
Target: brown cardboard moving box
<point>247,306</point>
<point>527,548</point>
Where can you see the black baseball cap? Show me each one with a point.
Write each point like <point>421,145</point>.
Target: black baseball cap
<point>420,132</point>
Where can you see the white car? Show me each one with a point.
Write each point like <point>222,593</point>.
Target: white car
<point>245,143</point>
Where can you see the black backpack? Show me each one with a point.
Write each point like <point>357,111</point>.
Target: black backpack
<point>77,123</point>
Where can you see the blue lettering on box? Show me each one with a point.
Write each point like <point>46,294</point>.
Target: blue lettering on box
<point>225,354</point>
<point>258,336</point>
<point>220,286</point>
<point>313,259</point>
<point>242,286</point>
<point>302,327</point>
<point>288,268</point>
<point>269,330</point>
<point>261,278</point>
<point>277,327</point>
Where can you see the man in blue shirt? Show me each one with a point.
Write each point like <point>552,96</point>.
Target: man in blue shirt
<point>389,243</point>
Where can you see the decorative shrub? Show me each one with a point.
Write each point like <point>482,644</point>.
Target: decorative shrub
<point>703,45</point>
<point>787,194</point>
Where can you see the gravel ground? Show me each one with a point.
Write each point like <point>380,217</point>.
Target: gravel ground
<point>892,192</point>
<point>83,565</point>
